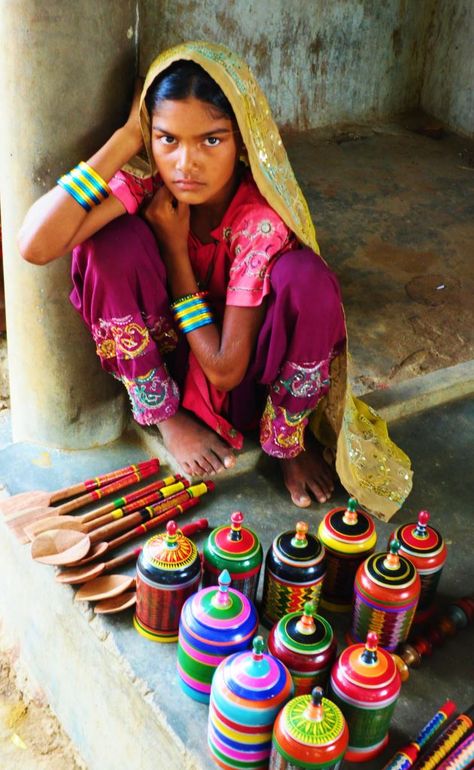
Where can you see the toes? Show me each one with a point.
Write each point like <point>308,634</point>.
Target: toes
<point>229,461</point>
<point>299,495</point>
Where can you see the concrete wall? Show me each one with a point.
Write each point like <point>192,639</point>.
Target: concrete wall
<point>448,84</point>
<point>319,62</point>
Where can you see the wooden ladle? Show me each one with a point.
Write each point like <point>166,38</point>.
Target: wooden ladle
<point>116,603</point>
<point>104,587</point>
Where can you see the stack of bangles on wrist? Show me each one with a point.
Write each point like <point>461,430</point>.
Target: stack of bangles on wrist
<point>192,311</point>
<point>85,185</point>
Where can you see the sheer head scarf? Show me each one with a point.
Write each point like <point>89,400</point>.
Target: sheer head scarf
<point>371,467</point>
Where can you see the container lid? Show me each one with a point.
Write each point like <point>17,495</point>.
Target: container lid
<point>298,550</point>
<point>313,720</point>
<point>348,530</point>
<point>257,676</point>
<point>169,558</point>
<point>305,633</point>
<point>419,540</point>
<point>389,569</point>
<point>237,545</point>
<point>221,610</point>
<point>369,667</point>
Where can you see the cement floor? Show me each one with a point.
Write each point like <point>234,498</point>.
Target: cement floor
<point>439,443</point>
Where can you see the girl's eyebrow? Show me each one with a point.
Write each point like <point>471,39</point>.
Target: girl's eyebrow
<point>199,136</point>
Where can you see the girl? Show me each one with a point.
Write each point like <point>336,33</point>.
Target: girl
<point>196,268</point>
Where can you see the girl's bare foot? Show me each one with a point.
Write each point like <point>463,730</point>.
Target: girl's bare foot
<point>197,448</point>
<point>308,473</point>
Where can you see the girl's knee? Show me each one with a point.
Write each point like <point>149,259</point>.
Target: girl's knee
<point>309,280</point>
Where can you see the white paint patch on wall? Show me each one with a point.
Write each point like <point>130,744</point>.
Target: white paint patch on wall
<point>448,86</point>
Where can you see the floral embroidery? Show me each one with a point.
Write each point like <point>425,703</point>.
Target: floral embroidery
<point>120,337</point>
<point>305,380</point>
<point>154,396</point>
<point>282,433</point>
<point>162,332</point>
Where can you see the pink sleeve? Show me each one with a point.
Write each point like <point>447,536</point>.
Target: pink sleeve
<point>131,190</point>
<point>258,237</point>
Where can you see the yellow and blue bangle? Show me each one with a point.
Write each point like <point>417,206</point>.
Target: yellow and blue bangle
<point>85,185</point>
<point>191,312</point>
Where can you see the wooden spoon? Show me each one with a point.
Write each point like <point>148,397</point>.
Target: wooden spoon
<point>140,498</point>
<point>17,522</point>
<point>73,546</point>
<point>25,500</point>
<point>90,571</point>
<point>116,603</point>
<point>104,587</point>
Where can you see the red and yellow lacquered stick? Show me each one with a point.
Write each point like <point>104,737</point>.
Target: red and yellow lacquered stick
<point>447,741</point>
<point>462,757</point>
<point>34,498</point>
<point>406,756</point>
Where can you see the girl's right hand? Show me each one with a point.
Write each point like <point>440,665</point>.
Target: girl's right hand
<point>132,126</point>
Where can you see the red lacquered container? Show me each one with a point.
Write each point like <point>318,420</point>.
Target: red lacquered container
<point>305,643</point>
<point>426,549</point>
<point>365,684</point>
<point>386,592</point>
<point>309,732</point>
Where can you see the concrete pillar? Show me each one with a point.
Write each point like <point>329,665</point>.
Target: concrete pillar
<point>67,74</point>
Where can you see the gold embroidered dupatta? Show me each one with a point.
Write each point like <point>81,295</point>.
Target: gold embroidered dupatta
<point>370,466</point>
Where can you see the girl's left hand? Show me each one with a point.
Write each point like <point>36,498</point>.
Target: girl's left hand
<point>170,221</point>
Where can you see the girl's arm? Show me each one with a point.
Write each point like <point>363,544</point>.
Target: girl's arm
<point>56,222</point>
<point>224,355</point>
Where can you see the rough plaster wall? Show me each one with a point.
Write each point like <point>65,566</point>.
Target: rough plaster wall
<point>319,62</point>
<point>448,86</point>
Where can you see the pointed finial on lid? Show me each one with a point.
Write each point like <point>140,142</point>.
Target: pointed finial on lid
<point>314,710</point>
<point>171,534</point>
<point>369,654</point>
<point>258,648</point>
<point>299,540</point>
<point>420,529</point>
<point>221,597</point>
<point>306,624</point>
<point>392,559</point>
<point>350,514</point>
<point>236,520</point>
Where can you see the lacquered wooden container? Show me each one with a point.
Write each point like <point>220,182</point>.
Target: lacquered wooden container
<point>295,567</point>
<point>365,684</point>
<point>237,549</point>
<point>248,691</point>
<point>215,622</point>
<point>168,572</point>
<point>305,643</point>
<point>310,732</point>
<point>349,537</point>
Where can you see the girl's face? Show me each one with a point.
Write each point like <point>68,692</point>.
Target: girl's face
<point>196,151</point>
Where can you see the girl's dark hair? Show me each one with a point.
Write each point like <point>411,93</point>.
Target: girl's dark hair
<point>183,79</point>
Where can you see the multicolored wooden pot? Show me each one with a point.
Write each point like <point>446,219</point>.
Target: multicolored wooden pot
<point>168,572</point>
<point>386,592</point>
<point>426,549</point>
<point>295,567</point>
<point>349,536</point>
<point>214,623</point>
<point>236,549</point>
<point>305,643</point>
<point>309,732</point>
<point>365,684</point>
<point>248,691</point>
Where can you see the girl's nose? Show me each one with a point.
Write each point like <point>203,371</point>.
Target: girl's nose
<point>186,160</point>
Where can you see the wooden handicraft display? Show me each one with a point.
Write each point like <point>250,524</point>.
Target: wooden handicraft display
<point>309,732</point>
<point>386,592</point>
<point>295,567</point>
<point>236,549</point>
<point>215,622</point>
<point>168,572</point>
<point>365,684</point>
<point>426,549</point>
<point>349,537</point>
<point>248,691</point>
<point>305,643</point>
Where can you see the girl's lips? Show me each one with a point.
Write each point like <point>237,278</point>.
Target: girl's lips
<point>188,184</point>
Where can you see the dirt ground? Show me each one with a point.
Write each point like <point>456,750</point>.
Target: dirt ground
<point>31,737</point>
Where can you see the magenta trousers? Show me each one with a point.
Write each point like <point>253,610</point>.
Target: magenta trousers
<point>119,287</point>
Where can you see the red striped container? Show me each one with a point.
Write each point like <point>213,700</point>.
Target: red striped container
<point>168,572</point>
<point>365,684</point>
<point>426,549</point>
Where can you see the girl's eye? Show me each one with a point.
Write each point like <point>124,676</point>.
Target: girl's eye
<point>167,139</point>
<point>212,141</point>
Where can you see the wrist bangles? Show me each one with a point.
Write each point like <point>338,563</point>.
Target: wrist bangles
<point>85,185</point>
<point>192,311</point>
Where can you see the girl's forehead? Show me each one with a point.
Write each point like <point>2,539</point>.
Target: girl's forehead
<point>189,109</point>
